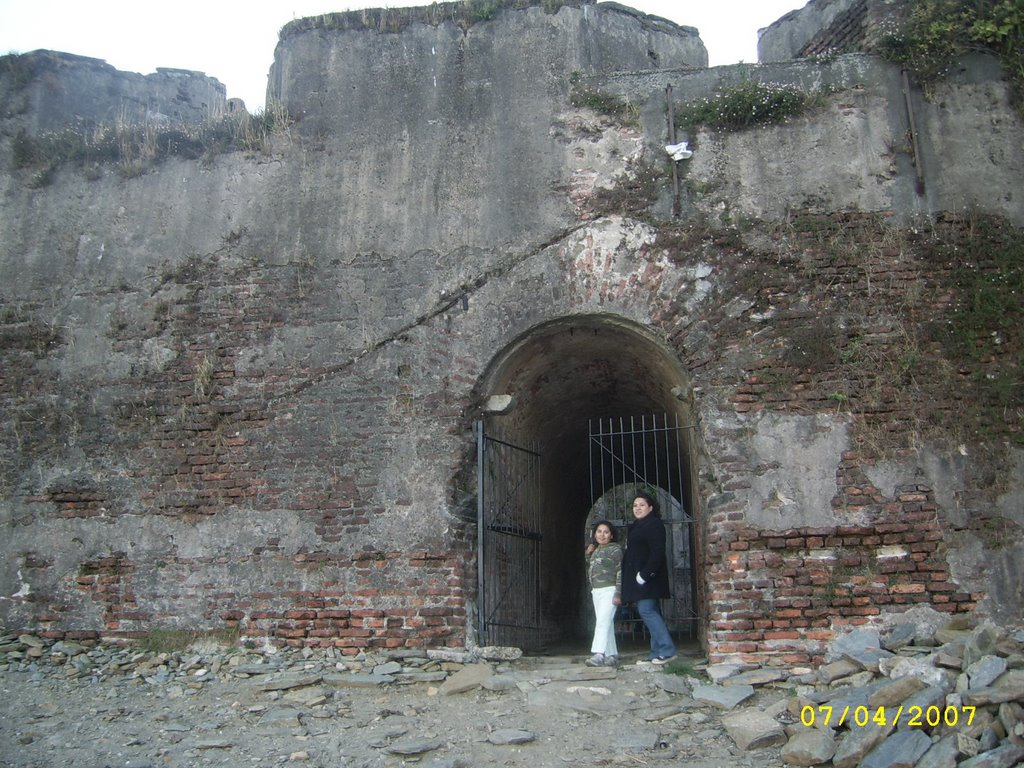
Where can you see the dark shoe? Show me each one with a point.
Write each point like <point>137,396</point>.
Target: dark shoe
<point>597,660</point>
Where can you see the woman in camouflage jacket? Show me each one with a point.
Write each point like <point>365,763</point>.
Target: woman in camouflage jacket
<point>604,574</point>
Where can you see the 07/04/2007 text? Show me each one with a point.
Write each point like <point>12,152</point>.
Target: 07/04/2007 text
<point>914,716</point>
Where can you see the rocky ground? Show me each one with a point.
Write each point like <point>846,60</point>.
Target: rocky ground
<point>93,706</point>
<point>65,705</point>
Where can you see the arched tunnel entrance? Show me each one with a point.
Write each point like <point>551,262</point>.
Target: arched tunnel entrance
<point>560,399</point>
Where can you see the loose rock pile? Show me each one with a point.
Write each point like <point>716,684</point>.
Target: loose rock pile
<point>919,695</point>
<point>915,697</point>
<point>197,666</point>
<point>71,704</point>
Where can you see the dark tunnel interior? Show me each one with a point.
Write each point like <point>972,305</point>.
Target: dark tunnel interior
<point>562,376</point>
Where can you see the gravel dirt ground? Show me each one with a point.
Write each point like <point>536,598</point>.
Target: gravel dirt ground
<point>123,709</point>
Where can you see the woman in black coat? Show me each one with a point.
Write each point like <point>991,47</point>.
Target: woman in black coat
<point>645,574</point>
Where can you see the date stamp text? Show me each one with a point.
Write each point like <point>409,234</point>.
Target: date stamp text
<point>912,716</point>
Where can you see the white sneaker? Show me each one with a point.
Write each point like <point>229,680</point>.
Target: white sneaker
<point>597,660</point>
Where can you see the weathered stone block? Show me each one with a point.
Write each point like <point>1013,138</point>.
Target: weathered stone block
<point>809,747</point>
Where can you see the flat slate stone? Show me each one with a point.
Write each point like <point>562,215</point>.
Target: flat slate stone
<point>932,696</point>
<point>906,666</point>
<point>511,736</point>
<point>449,654</point>
<point>948,660</point>
<point>67,648</point>
<point>985,670</point>
<point>723,697</point>
<point>414,746</point>
<point>720,672</point>
<point>290,681</point>
<point>356,680</point>
<point>895,692</point>
<point>281,717</point>
<point>855,641</point>
<point>661,713</point>
<point>809,747</point>
<point>943,754</point>
<point>468,678</point>
<point>499,653</point>
<point>901,750</point>
<point>756,677</point>
<point>421,677</point>
<point>1006,756</point>
<point>254,669</point>
<point>945,635</point>
<point>900,636</point>
<point>981,642</point>
<point>754,729</point>
<point>836,670</point>
<point>501,683</point>
<point>213,744</point>
<point>584,673</point>
<point>636,742</point>
<point>673,684</point>
<point>981,697</point>
<point>307,697</point>
<point>846,695</point>
<point>868,658</point>
<point>853,681</point>
<point>858,743</point>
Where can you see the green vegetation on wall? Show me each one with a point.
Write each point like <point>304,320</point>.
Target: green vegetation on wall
<point>16,69</point>
<point>746,105</point>
<point>462,13</point>
<point>916,332</point>
<point>937,32</point>
<point>135,148</point>
<point>950,355</point>
<point>985,330</point>
<point>583,96</point>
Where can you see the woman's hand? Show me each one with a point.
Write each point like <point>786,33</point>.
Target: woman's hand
<point>590,549</point>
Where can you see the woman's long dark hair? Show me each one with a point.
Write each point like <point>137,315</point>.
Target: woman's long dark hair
<point>598,524</point>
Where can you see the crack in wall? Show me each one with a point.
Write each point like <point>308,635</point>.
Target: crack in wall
<point>451,298</point>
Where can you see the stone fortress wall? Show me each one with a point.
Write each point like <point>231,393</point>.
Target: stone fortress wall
<point>239,390</point>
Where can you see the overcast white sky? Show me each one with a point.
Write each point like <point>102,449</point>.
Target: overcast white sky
<point>233,40</point>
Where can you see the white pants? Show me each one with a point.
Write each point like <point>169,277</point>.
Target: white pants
<point>604,630</point>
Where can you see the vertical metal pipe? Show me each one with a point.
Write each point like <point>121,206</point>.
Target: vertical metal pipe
<point>590,460</point>
<point>481,460</point>
<point>912,124</point>
<point>644,452</point>
<point>676,203</point>
<point>678,450</point>
<point>633,450</point>
<point>537,546</point>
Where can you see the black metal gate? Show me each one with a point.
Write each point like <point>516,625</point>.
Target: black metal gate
<point>508,540</point>
<point>649,453</point>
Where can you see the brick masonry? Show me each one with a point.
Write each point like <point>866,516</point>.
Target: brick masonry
<point>781,595</point>
<point>204,435</point>
<point>208,434</point>
<point>252,412</point>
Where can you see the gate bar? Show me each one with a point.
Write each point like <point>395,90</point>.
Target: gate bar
<point>481,619</point>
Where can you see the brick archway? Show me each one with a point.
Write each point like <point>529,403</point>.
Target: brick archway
<point>557,377</point>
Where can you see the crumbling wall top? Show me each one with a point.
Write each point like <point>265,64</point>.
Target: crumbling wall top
<point>51,90</point>
<point>463,14</point>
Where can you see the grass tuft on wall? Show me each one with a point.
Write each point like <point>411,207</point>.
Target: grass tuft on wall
<point>134,148</point>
